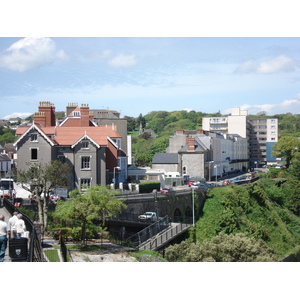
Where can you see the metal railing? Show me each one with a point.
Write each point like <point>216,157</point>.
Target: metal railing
<point>165,236</point>
<point>147,233</point>
<point>35,252</point>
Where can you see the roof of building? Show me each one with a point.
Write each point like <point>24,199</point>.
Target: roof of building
<point>4,157</point>
<point>165,158</point>
<point>69,136</point>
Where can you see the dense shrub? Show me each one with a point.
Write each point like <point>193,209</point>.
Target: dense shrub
<point>148,187</point>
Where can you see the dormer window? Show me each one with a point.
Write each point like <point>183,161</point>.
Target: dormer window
<point>76,113</point>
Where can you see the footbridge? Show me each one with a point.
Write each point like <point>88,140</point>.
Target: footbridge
<point>158,234</point>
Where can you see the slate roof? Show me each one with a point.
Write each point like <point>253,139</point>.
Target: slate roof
<point>165,158</point>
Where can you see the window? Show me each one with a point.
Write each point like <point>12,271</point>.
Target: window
<point>34,153</point>
<point>85,183</point>
<point>85,162</point>
<point>33,137</point>
<point>85,144</point>
<point>76,113</point>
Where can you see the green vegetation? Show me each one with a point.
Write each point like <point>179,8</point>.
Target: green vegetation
<point>264,211</point>
<point>43,178</point>
<point>7,135</point>
<point>147,256</point>
<point>52,255</point>
<point>98,202</point>
<point>148,187</point>
<point>164,124</point>
<point>222,248</point>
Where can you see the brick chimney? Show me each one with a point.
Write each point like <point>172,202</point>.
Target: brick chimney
<point>85,115</point>
<point>190,141</point>
<point>39,118</point>
<point>70,107</point>
<point>49,110</point>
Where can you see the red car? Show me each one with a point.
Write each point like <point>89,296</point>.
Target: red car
<point>191,182</point>
<point>166,190</point>
<point>225,182</point>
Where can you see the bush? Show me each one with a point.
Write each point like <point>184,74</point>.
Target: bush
<point>148,187</point>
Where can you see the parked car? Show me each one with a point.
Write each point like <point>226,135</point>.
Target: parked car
<point>166,190</point>
<point>191,182</point>
<point>225,182</point>
<point>149,216</point>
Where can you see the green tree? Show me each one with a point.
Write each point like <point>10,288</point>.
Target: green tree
<point>42,179</point>
<point>98,202</point>
<point>294,169</point>
<point>286,147</point>
<point>222,248</point>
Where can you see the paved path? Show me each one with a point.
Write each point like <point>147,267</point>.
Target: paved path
<point>4,212</point>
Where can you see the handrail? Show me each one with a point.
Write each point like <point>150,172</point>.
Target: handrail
<point>35,252</point>
<point>145,234</point>
<point>163,237</point>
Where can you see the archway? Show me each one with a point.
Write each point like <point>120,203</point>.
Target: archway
<point>177,217</point>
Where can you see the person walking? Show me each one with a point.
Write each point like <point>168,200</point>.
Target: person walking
<point>20,226</point>
<point>11,226</point>
<point>3,237</point>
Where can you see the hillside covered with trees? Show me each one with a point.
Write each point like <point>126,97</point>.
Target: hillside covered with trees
<point>164,124</point>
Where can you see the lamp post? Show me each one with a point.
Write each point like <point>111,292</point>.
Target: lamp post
<point>118,168</point>
<point>193,208</point>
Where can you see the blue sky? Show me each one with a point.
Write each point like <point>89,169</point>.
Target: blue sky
<point>140,75</point>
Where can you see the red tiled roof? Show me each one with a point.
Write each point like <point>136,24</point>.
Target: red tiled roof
<point>68,136</point>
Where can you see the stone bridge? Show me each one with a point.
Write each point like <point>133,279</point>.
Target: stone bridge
<point>177,205</point>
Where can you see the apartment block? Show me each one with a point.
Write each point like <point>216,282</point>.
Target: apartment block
<point>261,133</point>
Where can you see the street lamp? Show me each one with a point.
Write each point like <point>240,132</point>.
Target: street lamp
<point>118,168</point>
<point>193,197</point>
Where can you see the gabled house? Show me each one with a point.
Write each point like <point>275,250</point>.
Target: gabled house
<point>203,154</point>
<point>92,151</point>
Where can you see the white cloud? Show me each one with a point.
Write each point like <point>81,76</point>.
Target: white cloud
<point>280,63</point>
<point>22,115</point>
<point>30,53</point>
<point>292,106</point>
<point>122,61</point>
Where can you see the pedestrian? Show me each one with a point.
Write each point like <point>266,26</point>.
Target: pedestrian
<point>3,237</point>
<point>14,195</point>
<point>20,226</point>
<point>11,226</point>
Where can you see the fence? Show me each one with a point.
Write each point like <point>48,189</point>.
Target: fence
<point>63,249</point>
<point>137,239</point>
<point>165,236</point>
<point>35,252</point>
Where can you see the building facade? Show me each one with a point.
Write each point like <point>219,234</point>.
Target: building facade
<point>92,151</point>
<point>204,154</point>
<point>261,133</point>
